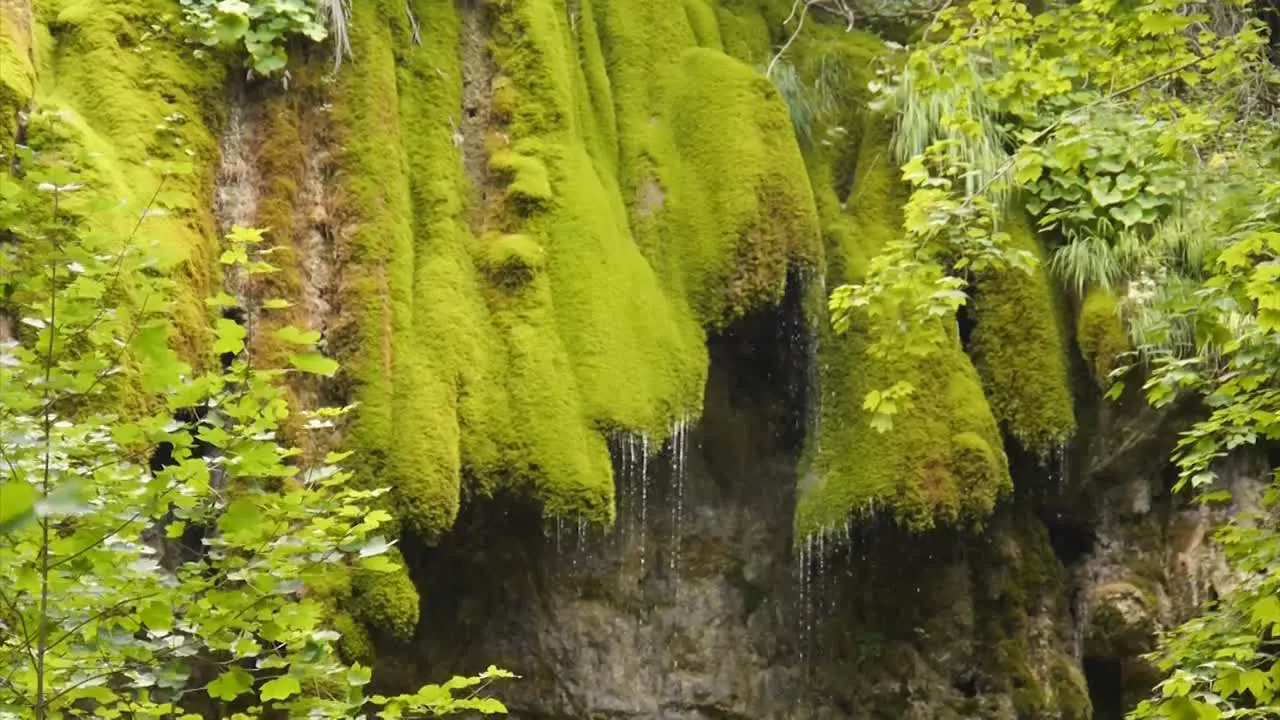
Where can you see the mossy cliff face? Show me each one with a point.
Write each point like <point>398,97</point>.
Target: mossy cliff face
<point>519,224</point>
<point>943,463</point>
<point>537,228</point>
<point>108,86</point>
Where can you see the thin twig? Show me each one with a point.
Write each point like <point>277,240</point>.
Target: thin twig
<point>799,25</point>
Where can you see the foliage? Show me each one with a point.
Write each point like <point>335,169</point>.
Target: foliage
<point>170,555</point>
<point>1066,85</point>
<point>263,27</point>
<point>1227,662</point>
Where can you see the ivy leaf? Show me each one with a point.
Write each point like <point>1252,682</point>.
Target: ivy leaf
<point>270,62</point>
<point>1103,193</point>
<point>376,545</point>
<point>279,688</point>
<point>230,684</point>
<point>378,564</point>
<point>157,616</point>
<point>359,675</point>
<point>66,499</point>
<point>314,364</point>
<point>242,515</point>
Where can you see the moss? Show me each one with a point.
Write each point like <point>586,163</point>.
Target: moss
<point>354,645</point>
<point>388,601</point>
<point>280,168</point>
<point>512,260</point>
<point>1069,690</point>
<point>372,335</point>
<point>17,69</point>
<point>1101,334</point>
<point>702,18</point>
<point>527,185</point>
<point>1019,348</point>
<point>1014,572</point>
<point>709,164</point>
<point>744,33</point>
<point>943,461</point>
<point>134,98</point>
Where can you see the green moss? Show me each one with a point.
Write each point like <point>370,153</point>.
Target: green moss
<point>702,18</point>
<point>354,645</point>
<point>1019,348</point>
<point>1069,690</point>
<point>744,33</point>
<point>280,158</point>
<point>388,601</point>
<point>1101,334</point>
<point>709,165</point>
<point>393,434</point>
<point>17,70</point>
<point>1014,572</point>
<point>943,461</point>
<point>512,260</point>
<point>527,185</point>
<point>135,98</point>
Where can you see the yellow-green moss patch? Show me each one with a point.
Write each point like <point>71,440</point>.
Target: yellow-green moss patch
<point>943,461</point>
<point>1101,334</point>
<point>1019,348</point>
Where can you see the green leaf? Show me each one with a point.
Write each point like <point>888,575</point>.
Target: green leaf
<point>1266,612</point>
<point>291,334</point>
<point>359,675</point>
<point>241,516</point>
<point>276,304</point>
<point>230,337</point>
<point>279,688</point>
<point>379,564</point>
<point>314,364</point>
<point>157,616</point>
<point>270,62</point>
<point>1103,193</point>
<point>69,498</point>
<point>230,684</point>
<point>1129,214</point>
<point>17,505</point>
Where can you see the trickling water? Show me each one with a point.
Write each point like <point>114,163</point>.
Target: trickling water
<point>644,494</point>
<point>679,450</point>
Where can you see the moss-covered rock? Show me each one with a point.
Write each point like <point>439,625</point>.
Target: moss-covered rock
<point>130,99</point>
<point>943,461</point>
<point>1019,347</point>
<point>17,69</point>
<point>388,601</point>
<point>1101,334</point>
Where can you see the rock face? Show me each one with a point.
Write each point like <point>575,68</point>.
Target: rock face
<point>1152,565</point>
<point>699,605</point>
